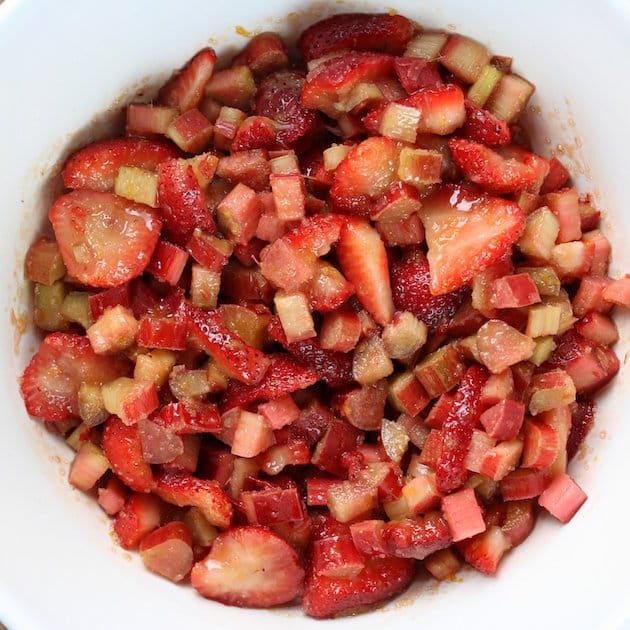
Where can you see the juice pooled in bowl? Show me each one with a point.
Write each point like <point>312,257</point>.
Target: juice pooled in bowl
<point>314,322</point>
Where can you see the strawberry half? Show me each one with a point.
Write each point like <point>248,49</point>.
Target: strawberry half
<point>182,202</point>
<point>484,127</point>
<point>363,260</point>
<point>123,446</point>
<point>250,567</point>
<point>96,165</point>
<point>494,172</point>
<point>105,240</point>
<point>278,98</point>
<point>410,278</point>
<point>379,32</point>
<point>316,234</point>
<point>466,233</point>
<point>182,489</point>
<point>185,88</point>
<point>329,84</point>
<point>364,175</point>
<point>51,381</point>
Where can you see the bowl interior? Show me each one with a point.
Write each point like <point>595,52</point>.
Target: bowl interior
<point>67,73</point>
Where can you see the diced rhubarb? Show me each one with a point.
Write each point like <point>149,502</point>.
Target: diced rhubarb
<point>514,291</point>
<point>418,537</point>
<point>463,514</point>
<point>295,316</point>
<point>601,253</point>
<point>599,328</point>
<point>264,53</point>
<point>285,266</point>
<point>149,120</point>
<point>443,564</point>
<point>252,435</point>
<point>421,493</point>
<point>348,501</point>
<point>440,371</point>
<point>191,131</point>
<point>407,395</point>
<point>500,345</point>
<point>485,551</point>
<point>464,57</point>
<point>541,445</point>
<point>370,362</point>
<point>497,387</point>
<point>523,483</point>
<point>168,262</point>
<point>113,331</point>
<point>480,445</point>
<point>340,330</point>
<point>510,97</point>
<point>113,496</point>
<point>167,551</point>
<point>129,399</point>
<point>289,196</point>
<point>88,466</point>
<point>328,289</point>
<point>551,390</point>
<point>409,231</point>
<point>502,459</point>
<point>573,259</point>
<point>363,407</point>
<point>44,263</point>
<point>295,452</point>
<point>339,438</point>
<point>562,498</point>
<point>368,538</point>
<point>279,412</point>
<point>503,421</point>
<point>273,506</point>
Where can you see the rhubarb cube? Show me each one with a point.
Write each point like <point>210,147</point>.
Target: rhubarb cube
<point>409,231</point>
<point>295,316</point>
<point>485,551</point>
<point>500,345</point>
<point>397,203</point>
<point>328,290</point>
<point>543,320</point>
<point>514,291</point>
<point>167,263</point>
<point>426,45</point>
<point>277,457</point>
<point>115,330</point>
<point>485,83</point>
<point>573,259</point>
<point>149,120</point>
<point>601,252</point>
<point>317,489</point>
<point>43,263</point>
<point>510,96</point>
<point>88,466</point>
<point>129,399</point>
<point>421,493</point>
<point>285,266</point>
<point>334,155</point>
<point>226,125</point>
<point>480,445</point>
<point>404,336</point>
<point>440,371</point>
<point>204,167</point>
<point>208,250</point>
<point>463,514</point>
<point>523,483</point>
<point>289,194</point>
<point>370,362</point>
<point>551,390</point>
<point>562,498</point>
<point>394,439</point>
<point>234,87</point>
<point>400,122</point>
<point>464,57</point>
<point>279,412</point>
<point>113,496</point>
<point>420,167</point>
<point>541,445</point>
<point>497,387</point>
<point>340,330</point>
<point>502,459</point>
<point>407,395</point>
<point>564,204</point>
<point>363,407</point>
<point>252,435</point>
<point>540,234</point>
<point>598,328</point>
<point>168,552</point>
<point>348,501</point>
<point>273,506</point>
<point>503,421</point>
<point>590,296</point>
<point>238,214</point>
<point>443,564</point>
<point>368,538</point>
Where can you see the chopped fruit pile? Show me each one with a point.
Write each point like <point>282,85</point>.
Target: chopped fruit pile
<point>312,323</point>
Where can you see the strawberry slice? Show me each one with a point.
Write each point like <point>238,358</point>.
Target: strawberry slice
<point>466,233</point>
<point>182,489</point>
<point>105,240</point>
<point>278,98</point>
<point>379,580</point>
<point>316,234</point>
<point>238,359</point>
<point>457,430</point>
<point>284,376</point>
<point>329,84</point>
<point>364,175</point>
<point>96,166</point>
<point>493,172</point>
<point>484,127</point>
<point>582,420</point>
<point>416,74</point>
<point>51,381</point>
<point>185,88</point>
<point>334,368</point>
<point>363,260</point>
<point>379,32</point>
<point>250,567</point>
<point>182,202</point>
<point>417,537</point>
<point>123,446</point>
<point>410,279</point>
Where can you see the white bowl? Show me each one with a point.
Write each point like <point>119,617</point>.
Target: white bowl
<point>63,63</point>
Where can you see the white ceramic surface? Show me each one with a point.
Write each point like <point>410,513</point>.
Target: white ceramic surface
<point>62,63</point>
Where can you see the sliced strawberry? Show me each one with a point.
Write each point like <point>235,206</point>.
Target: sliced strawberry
<point>329,84</point>
<point>123,446</point>
<point>105,240</point>
<point>380,580</point>
<point>182,489</point>
<point>457,430</point>
<point>484,127</point>
<point>380,32</point>
<point>229,351</point>
<point>51,381</point>
<point>249,567</point>
<point>364,175</point>
<point>189,417</point>
<point>363,260</point>
<point>283,376</point>
<point>96,166</point>
<point>493,172</point>
<point>582,420</point>
<point>264,53</point>
<point>418,537</point>
<point>140,515</point>
<point>466,233</point>
<point>185,88</point>
<point>410,278</point>
<point>316,234</point>
<point>278,98</point>
<point>182,202</point>
<point>255,132</point>
<point>334,368</point>
<point>441,110</point>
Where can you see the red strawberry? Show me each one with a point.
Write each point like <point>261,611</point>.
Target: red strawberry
<point>380,32</point>
<point>255,132</point>
<point>318,179</point>
<point>457,430</point>
<point>182,489</point>
<point>264,53</point>
<point>249,567</point>
<point>123,447</point>
<point>379,580</point>
<point>278,98</point>
<point>417,537</point>
<point>363,260</point>
<point>410,279</point>
<point>441,110</point>
<point>582,419</point>
<point>229,351</point>
<point>316,234</point>
<point>284,376</point>
<point>364,175</point>
<point>51,381</point>
<point>185,88</point>
<point>484,127</point>
<point>416,74</point>
<point>495,173</point>
<point>329,84</point>
<point>246,167</point>
<point>334,368</point>
<point>140,515</point>
<point>182,202</point>
<point>105,240</point>
<point>466,233</point>
<point>96,166</point>
<point>189,417</point>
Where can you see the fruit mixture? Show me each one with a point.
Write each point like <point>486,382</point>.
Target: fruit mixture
<point>313,323</point>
